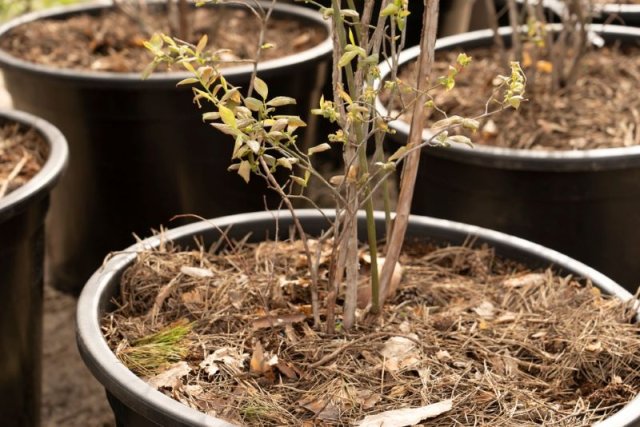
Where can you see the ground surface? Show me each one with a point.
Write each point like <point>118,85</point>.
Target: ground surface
<point>71,397</point>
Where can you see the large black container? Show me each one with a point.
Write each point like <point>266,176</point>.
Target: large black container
<point>135,403</point>
<point>621,14</point>
<point>141,153</point>
<point>22,218</point>
<point>582,203</point>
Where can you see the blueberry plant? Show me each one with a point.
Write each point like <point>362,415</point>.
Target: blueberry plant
<point>265,140</point>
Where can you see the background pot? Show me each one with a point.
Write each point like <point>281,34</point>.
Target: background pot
<point>135,403</point>
<point>141,153</point>
<point>22,217</point>
<point>582,203</point>
<point>622,14</point>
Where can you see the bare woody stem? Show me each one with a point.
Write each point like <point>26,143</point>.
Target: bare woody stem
<point>303,237</point>
<point>408,180</point>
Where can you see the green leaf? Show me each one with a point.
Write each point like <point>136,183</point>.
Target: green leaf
<point>350,13</point>
<point>254,146</point>
<point>399,153</point>
<point>460,139</point>
<point>227,116</point>
<point>285,163</point>
<point>261,87</point>
<point>463,59</point>
<point>391,9</point>
<point>202,44</point>
<point>281,101</point>
<point>245,170</point>
<point>210,116</point>
<point>346,58</point>
<point>253,104</point>
<point>148,70</point>
<point>187,81</point>
<point>318,149</point>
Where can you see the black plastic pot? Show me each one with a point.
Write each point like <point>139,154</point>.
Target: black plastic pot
<point>582,203</point>
<point>22,223</point>
<point>622,14</point>
<point>141,151</point>
<point>135,403</point>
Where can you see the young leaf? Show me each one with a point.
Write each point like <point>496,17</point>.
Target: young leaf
<point>245,170</point>
<point>399,153</point>
<point>280,101</point>
<point>261,87</point>
<point>227,116</point>
<point>253,104</point>
<point>318,149</point>
<point>187,81</point>
<point>201,44</point>
<point>346,58</point>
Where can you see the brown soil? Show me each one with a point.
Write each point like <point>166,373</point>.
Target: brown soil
<point>71,397</point>
<point>113,41</point>
<point>509,346</point>
<point>22,154</point>
<point>598,111</point>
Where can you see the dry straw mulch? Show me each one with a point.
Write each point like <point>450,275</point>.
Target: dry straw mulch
<point>509,346</point>
<point>22,154</point>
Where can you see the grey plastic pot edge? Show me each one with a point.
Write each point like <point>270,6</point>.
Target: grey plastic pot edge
<point>519,159</point>
<point>48,176</point>
<point>159,408</point>
<point>123,80</point>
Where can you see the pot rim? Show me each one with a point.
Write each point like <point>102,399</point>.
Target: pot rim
<point>42,183</point>
<point>130,79</point>
<point>512,158</point>
<point>125,385</point>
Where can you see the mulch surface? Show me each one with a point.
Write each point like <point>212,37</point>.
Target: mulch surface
<point>231,334</point>
<point>113,40</point>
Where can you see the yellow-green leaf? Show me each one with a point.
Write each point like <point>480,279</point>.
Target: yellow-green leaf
<point>280,101</point>
<point>319,149</point>
<point>227,116</point>
<point>201,44</point>
<point>187,81</point>
<point>346,58</point>
<point>245,170</point>
<point>261,87</point>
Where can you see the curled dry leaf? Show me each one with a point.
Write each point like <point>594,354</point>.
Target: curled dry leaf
<point>274,321</point>
<point>486,310</point>
<point>530,279</point>
<point>406,417</point>
<point>261,365</point>
<point>323,409</point>
<point>226,355</point>
<point>400,353</point>
<point>171,378</point>
<point>199,273</point>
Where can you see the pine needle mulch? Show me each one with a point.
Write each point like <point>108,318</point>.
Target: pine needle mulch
<point>509,346</point>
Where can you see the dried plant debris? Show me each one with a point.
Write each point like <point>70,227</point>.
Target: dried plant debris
<point>113,41</point>
<point>22,154</point>
<point>598,111</point>
<point>485,340</point>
